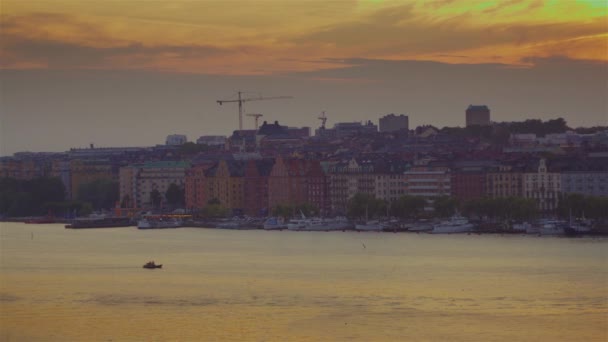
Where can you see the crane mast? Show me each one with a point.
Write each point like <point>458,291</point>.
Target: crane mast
<point>240,101</point>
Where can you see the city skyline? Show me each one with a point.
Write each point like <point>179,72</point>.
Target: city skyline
<point>75,73</point>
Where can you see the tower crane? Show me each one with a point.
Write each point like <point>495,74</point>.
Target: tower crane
<point>323,119</point>
<point>256,117</point>
<point>240,101</point>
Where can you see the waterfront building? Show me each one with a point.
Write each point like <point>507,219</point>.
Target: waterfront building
<point>392,122</point>
<point>226,183</point>
<point>140,180</point>
<point>542,186</point>
<point>21,169</point>
<point>428,181</point>
<point>389,186</point>
<point>256,192</point>
<point>587,183</point>
<point>504,182</point>
<point>196,187</point>
<point>317,186</point>
<point>469,179</point>
<point>346,179</point>
<point>126,185</point>
<point>176,139</point>
<point>84,171</point>
<point>477,115</point>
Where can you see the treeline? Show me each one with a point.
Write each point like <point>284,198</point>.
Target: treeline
<point>29,197</point>
<point>583,206</point>
<point>499,133</point>
<point>47,196</point>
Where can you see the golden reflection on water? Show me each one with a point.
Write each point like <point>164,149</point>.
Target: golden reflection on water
<point>88,285</point>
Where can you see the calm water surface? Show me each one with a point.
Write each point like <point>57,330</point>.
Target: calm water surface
<point>58,284</point>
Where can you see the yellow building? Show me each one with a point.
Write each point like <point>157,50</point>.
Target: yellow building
<point>504,183</point>
<point>226,183</point>
<point>87,171</point>
<point>20,169</point>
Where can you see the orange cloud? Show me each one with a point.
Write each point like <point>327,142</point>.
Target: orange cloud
<point>280,37</point>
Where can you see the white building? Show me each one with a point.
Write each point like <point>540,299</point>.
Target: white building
<point>176,139</point>
<point>428,181</point>
<point>542,186</point>
<point>211,140</point>
<point>138,181</point>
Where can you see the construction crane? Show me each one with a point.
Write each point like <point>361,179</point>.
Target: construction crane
<point>256,117</point>
<point>240,101</point>
<point>323,119</point>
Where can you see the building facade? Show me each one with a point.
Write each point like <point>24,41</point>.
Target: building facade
<point>140,180</point>
<point>428,181</point>
<point>477,115</point>
<point>392,122</point>
<point>542,186</point>
<point>504,182</point>
<point>84,171</point>
<point>176,139</point>
<point>587,183</point>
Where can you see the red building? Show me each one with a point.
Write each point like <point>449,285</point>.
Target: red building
<point>196,187</point>
<point>468,185</point>
<point>318,187</point>
<point>256,187</point>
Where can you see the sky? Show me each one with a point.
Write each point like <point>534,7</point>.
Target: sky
<point>128,73</point>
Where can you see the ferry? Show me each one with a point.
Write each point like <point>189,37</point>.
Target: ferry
<point>100,222</point>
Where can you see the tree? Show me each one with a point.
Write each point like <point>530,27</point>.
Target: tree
<point>363,204</point>
<point>27,197</point>
<point>175,195</point>
<point>408,206</point>
<point>155,198</point>
<point>102,193</point>
<point>445,206</point>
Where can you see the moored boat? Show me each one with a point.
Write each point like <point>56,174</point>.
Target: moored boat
<point>456,224</point>
<point>275,223</point>
<point>160,221</point>
<point>100,222</point>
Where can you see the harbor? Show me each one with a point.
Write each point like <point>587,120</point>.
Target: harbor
<point>280,285</point>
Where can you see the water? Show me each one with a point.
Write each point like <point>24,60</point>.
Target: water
<point>59,284</point>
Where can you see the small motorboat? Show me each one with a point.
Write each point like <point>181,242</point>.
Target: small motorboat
<point>151,264</point>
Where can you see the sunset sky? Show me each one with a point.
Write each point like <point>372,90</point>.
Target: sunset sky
<point>124,73</point>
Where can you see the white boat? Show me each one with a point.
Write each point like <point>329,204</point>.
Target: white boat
<point>456,224</point>
<point>523,227</point>
<point>159,222</point>
<point>275,223</point>
<point>371,226</point>
<point>551,227</point>
<point>318,224</point>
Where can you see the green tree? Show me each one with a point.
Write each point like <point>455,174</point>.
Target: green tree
<point>155,198</point>
<point>445,206</point>
<point>27,197</point>
<point>175,195</point>
<point>102,194</point>
<point>363,204</point>
<point>408,206</point>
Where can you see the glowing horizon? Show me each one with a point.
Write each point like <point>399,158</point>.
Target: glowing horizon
<point>244,38</point>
